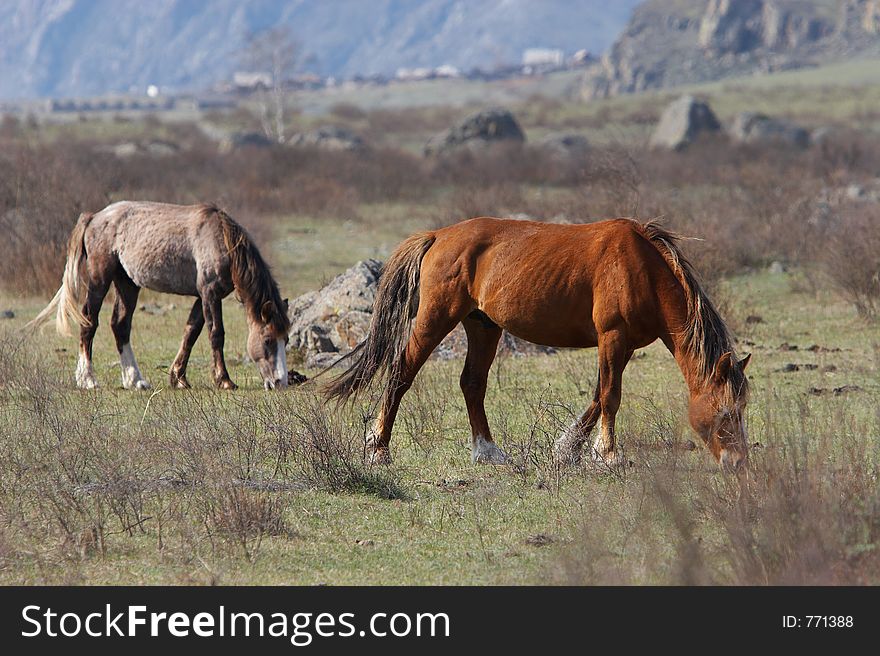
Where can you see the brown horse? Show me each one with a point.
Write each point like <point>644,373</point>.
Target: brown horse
<point>618,285</point>
<point>193,250</point>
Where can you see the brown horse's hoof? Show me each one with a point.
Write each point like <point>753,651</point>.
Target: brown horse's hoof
<point>227,385</point>
<point>485,452</point>
<point>379,457</point>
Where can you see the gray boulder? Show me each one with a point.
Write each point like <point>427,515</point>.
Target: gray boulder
<point>335,319</point>
<point>240,140</point>
<point>327,138</point>
<point>682,121</point>
<point>486,127</point>
<point>565,145</point>
<point>754,128</point>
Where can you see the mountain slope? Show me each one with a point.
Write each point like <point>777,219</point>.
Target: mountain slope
<point>85,47</point>
<point>674,42</point>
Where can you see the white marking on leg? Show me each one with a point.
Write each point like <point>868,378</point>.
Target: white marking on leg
<point>486,452</point>
<point>565,446</point>
<point>131,375</point>
<point>374,455</point>
<point>85,376</point>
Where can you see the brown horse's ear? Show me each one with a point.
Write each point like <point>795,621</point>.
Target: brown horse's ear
<point>285,305</point>
<point>268,311</point>
<point>722,368</point>
<point>745,362</point>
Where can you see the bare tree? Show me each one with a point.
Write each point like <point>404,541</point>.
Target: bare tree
<point>273,51</point>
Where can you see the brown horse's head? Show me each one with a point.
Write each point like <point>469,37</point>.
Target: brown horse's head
<point>717,412</point>
<point>267,344</point>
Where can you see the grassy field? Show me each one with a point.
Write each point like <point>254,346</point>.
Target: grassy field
<point>248,503</point>
<point>204,487</point>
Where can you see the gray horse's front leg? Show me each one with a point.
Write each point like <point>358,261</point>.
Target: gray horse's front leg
<point>214,320</point>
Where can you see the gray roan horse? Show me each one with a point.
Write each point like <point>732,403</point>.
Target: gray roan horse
<point>195,250</point>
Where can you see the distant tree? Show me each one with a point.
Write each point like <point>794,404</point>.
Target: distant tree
<point>274,51</point>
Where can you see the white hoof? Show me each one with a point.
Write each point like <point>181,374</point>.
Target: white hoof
<point>565,452</point>
<point>488,453</point>
<point>613,458</point>
<point>142,385</point>
<point>86,382</point>
<point>377,455</point>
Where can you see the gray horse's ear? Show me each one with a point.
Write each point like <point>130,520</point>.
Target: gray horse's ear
<point>268,311</point>
<point>722,368</point>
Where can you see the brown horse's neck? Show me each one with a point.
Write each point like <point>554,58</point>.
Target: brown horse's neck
<point>675,318</point>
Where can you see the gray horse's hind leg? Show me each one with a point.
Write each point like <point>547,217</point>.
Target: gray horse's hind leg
<point>123,313</point>
<point>191,333</point>
<point>85,374</point>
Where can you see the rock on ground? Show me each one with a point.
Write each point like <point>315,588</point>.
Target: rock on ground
<point>482,128</point>
<point>682,121</point>
<point>754,128</point>
<point>327,138</point>
<point>328,323</point>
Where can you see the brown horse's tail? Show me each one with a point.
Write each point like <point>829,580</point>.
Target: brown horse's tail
<point>66,303</point>
<point>396,304</point>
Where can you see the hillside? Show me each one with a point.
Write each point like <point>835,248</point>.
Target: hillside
<point>674,42</point>
<point>89,47</point>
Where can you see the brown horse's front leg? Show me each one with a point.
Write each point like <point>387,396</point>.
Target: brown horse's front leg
<point>214,320</point>
<point>571,442</point>
<point>191,333</point>
<point>613,357</point>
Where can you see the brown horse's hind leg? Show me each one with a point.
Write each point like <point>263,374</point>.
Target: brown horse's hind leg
<point>191,333</point>
<point>428,331</point>
<point>570,443</point>
<point>483,336</point>
<point>123,313</point>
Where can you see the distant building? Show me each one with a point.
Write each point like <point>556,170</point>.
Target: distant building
<point>251,80</point>
<point>411,74</point>
<point>447,70</point>
<point>540,57</point>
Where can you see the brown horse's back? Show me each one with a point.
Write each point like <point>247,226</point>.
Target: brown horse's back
<point>555,284</point>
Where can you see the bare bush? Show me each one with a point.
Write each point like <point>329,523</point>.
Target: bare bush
<point>849,255</point>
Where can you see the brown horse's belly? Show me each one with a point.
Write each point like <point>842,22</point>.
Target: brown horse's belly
<point>560,326</point>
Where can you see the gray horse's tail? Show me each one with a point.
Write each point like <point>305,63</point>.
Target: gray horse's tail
<point>396,304</point>
<point>68,300</point>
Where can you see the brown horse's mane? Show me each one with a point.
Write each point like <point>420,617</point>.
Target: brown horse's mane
<point>251,275</point>
<point>706,336</point>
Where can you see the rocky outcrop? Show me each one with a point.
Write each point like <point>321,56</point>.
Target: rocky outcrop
<point>689,41</point>
<point>327,138</point>
<point>335,319</point>
<point>240,140</point>
<point>328,323</point>
<point>682,122</point>
<point>480,129</point>
<point>753,128</point>
<point>565,146</point>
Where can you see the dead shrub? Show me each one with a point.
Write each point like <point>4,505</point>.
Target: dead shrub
<point>849,255</point>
